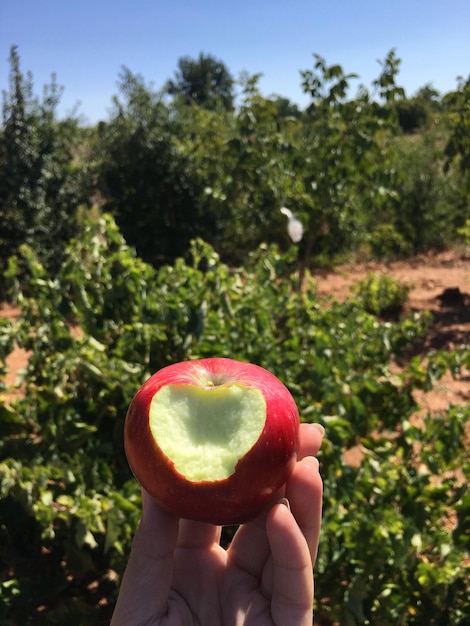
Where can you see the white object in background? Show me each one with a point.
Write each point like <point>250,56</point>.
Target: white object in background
<point>295,228</point>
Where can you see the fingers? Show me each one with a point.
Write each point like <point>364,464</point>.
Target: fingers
<point>304,491</point>
<point>293,539</point>
<point>290,537</point>
<point>311,436</point>
<point>250,547</point>
<point>198,534</point>
<point>146,582</point>
<point>292,575</point>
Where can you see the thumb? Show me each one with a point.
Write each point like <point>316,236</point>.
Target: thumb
<point>146,582</point>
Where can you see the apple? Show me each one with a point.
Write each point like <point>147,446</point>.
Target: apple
<point>212,439</point>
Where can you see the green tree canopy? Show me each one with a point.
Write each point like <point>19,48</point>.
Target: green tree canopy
<point>429,94</point>
<point>40,182</point>
<point>147,177</point>
<point>458,146</point>
<point>205,81</point>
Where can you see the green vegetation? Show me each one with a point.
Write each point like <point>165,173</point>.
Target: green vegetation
<point>40,185</point>
<point>382,294</point>
<point>205,81</point>
<point>69,504</point>
<point>372,174</point>
<point>187,256</point>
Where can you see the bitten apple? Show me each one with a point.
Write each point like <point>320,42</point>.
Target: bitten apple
<point>212,439</point>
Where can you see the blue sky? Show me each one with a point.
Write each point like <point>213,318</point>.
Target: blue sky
<point>86,43</point>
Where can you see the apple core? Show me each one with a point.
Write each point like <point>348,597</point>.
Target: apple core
<point>205,431</point>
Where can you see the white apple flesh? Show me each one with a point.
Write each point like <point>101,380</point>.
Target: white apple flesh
<point>212,439</point>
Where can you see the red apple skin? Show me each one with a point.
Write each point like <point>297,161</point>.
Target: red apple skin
<point>258,474</point>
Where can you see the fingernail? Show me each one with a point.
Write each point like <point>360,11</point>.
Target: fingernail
<point>320,428</point>
<point>312,460</point>
<point>285,502</point>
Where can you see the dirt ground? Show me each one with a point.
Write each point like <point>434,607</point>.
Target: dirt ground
<point>439,282</point>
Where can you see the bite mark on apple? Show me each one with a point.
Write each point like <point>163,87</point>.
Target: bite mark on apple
<point>205,431</point>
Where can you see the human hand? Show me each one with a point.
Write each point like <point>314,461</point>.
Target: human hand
<point>178,574</point>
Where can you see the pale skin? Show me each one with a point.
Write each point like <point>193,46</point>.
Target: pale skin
<point>179,575</point>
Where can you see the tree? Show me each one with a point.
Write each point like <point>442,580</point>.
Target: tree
<point>429,94</point>
<point>458,146</point>
<point>205,81</point>
<point>413,114</point>
<point>286,108</point>
<point>255,176</point>
<point>429,212</point>
<point>145,177</point>
<point>417,112</point>
<point>40,184</point>
<point>386,82</point>
<point>347,180</point>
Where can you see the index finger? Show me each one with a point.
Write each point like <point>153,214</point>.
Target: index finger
<point>250,547</point>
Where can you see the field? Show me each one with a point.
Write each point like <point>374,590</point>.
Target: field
<point>388,525</point>
<point>183,253</point>
<point>428,276</point>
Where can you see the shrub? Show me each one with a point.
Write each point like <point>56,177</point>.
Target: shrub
<point>69,504</point>
<point>387,243</point>
<point>381,294</point>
